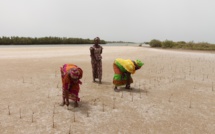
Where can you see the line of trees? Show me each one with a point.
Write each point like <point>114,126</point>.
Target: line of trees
<point>15,40</point>
<point>119,42</point>
<point>182,45</point>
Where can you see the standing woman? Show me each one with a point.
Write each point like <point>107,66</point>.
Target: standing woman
<point>96,60</point>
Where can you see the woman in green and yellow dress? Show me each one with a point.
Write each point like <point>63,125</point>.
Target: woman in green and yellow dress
<point>123,70</point>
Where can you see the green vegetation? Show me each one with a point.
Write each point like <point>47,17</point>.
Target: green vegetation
<point>182,45</point>
<point>119,42</point>
<point>14,40</point>
<point>155,43</point>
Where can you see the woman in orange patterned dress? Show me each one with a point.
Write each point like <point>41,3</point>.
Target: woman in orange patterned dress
<point>71,75</point>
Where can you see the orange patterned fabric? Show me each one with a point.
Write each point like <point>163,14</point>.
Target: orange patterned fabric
<point>72,85</point>
<point>120,80</point>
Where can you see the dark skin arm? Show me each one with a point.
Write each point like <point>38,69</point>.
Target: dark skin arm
<point>101,51</point>
<point>92,53</point>
<point>128,75</point>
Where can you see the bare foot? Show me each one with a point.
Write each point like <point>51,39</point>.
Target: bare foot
<point>67,103</point>
<point>63,103</point>
<point>127,87</point>
<point>116,89</point>
<point>76,104</point>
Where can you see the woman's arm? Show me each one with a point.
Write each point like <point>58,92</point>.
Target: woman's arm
<point>128,75</point>
<point>92,53</point>
<point>101,50</point>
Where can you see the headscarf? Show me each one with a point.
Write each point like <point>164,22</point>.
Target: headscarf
<point>75,73</point>
<point>127,65</point>
<point>139,63</point>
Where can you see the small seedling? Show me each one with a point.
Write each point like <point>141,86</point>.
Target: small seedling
<point>23,80</point>
<point>53,125</point>
<point>70,129</point>
<point>54,109</point>
<point>20,113</point>
<point>114,102</point>
<point>32,117</point>
<point>57,84</point>
<point>74,116</point>
<point>8,110</point>
<point>94,102</point>
<point>55,73</point>
<point>190,104</point>
<point>170,97</point>
<point>103,107</point>
<point>132,97</point>
<point>122,95</point>
<point>88,115</point>
<point>140,91</point>
<point>146,91</point>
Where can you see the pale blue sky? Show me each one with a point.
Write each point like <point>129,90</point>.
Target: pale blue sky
<point>111,20</point>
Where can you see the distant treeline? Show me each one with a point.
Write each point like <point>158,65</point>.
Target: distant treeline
<point>181,45</point>
<point>14,40</point>
<point>118,42</point>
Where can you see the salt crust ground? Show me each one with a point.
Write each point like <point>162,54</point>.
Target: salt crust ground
<point>172,93</point>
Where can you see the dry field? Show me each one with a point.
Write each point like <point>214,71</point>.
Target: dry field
<point>174,92</point>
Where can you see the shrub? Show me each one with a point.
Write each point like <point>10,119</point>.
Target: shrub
<point>168,44</point>
<point>155,43</point>
<point>181,42</point>
<point>190,45</point>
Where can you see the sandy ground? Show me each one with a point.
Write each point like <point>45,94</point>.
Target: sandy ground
<point>173,93</point>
